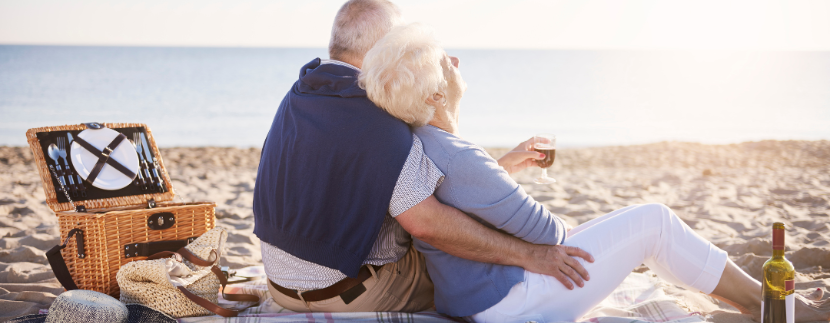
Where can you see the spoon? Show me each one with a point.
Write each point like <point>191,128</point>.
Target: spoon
<point>55,154</point>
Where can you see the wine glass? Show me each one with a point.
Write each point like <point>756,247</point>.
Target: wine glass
<point>546,144</point>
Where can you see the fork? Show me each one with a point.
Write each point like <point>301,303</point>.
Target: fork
<point>62,153</point>
<point>142,163</point>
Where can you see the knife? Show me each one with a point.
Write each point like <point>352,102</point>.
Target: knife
<point>142,164</point>
<point>68,174</point>
<point>152,160</point>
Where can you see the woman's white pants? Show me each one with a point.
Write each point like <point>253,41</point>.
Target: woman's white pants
<point>619,241</point>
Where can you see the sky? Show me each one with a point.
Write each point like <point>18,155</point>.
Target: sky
<point>481,24</point>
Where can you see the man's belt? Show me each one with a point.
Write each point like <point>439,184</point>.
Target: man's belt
<point>348,289</point>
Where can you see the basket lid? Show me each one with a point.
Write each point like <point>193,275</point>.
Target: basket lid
<point>113,185</point>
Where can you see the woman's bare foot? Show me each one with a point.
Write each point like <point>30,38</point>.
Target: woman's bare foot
<point>816,295</point>
<point>811,308</point>
<point>743,292</point>
<point>808,308</point>
<point>740,308</point>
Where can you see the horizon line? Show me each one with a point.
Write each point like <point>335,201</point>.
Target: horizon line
<point>572,146</point>
<point>450,48</point>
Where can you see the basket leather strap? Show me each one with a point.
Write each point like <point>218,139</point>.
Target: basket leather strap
<point>144,249</point>
<point>104,159</point>
<point>57,262</point>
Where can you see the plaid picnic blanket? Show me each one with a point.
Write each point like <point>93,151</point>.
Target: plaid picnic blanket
<point>640,298</point>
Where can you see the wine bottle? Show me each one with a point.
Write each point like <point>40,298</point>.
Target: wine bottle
<point>778,304</point>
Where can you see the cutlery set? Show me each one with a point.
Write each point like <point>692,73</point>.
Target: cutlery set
<point>71,183</point>
<point>62,171</point>
<point>148,176</point>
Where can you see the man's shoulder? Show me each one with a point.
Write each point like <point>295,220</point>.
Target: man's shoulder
<point>328,80</point>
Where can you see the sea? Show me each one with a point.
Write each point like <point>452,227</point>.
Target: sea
<point>229,96</point>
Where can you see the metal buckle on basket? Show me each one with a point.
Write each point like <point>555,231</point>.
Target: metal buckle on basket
<point>151,203</point>
<point>161,221</point>
<point>106,152</point>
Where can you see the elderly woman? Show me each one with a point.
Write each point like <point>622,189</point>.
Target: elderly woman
<point>411,77</point>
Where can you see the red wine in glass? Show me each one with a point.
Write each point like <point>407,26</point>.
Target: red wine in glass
<point>546,144</point>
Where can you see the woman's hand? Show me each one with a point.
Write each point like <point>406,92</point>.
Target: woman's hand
<point>521,157</point>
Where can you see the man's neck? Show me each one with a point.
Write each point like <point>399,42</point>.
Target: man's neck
<point>351,61</point>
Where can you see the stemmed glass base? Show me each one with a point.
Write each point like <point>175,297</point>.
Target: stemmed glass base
<point>544,179</point>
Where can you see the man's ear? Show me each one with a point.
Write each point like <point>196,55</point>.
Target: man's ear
<point>437,100</point>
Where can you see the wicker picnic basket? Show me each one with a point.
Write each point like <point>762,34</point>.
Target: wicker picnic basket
<point>109,228</point>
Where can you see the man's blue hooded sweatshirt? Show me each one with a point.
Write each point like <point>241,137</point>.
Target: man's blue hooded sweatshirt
<point>328,169</point>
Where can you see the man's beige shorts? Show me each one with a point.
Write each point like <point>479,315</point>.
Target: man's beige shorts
<point>402,286</point>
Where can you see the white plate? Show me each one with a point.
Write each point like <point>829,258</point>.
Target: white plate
<point>109,178</point>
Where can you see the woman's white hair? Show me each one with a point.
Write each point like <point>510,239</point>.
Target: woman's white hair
<point>402,71</point>
<point>359,24</point>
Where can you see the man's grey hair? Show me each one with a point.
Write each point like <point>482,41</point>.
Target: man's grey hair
<point>359,25</point>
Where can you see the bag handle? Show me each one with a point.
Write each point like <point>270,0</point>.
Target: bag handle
<point>183,253</point>
<point>59,265</point>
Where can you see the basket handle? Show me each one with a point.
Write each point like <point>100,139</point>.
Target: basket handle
<point>57,262</point>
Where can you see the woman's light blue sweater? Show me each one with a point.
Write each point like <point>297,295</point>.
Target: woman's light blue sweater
<point>475,184</point>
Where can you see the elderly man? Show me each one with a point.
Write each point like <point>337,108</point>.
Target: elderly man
<point>342,184</point>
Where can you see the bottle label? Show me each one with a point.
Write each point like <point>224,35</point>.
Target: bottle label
<point>778,311</point>
<point>790,300</point>
<point>789,285</point>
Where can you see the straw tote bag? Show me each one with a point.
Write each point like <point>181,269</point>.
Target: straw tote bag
<point>183,283</point>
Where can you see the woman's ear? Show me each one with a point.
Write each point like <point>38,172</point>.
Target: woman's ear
<point>437,100</point>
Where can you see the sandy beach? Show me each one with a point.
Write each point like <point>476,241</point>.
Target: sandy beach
<point>730,194</point>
